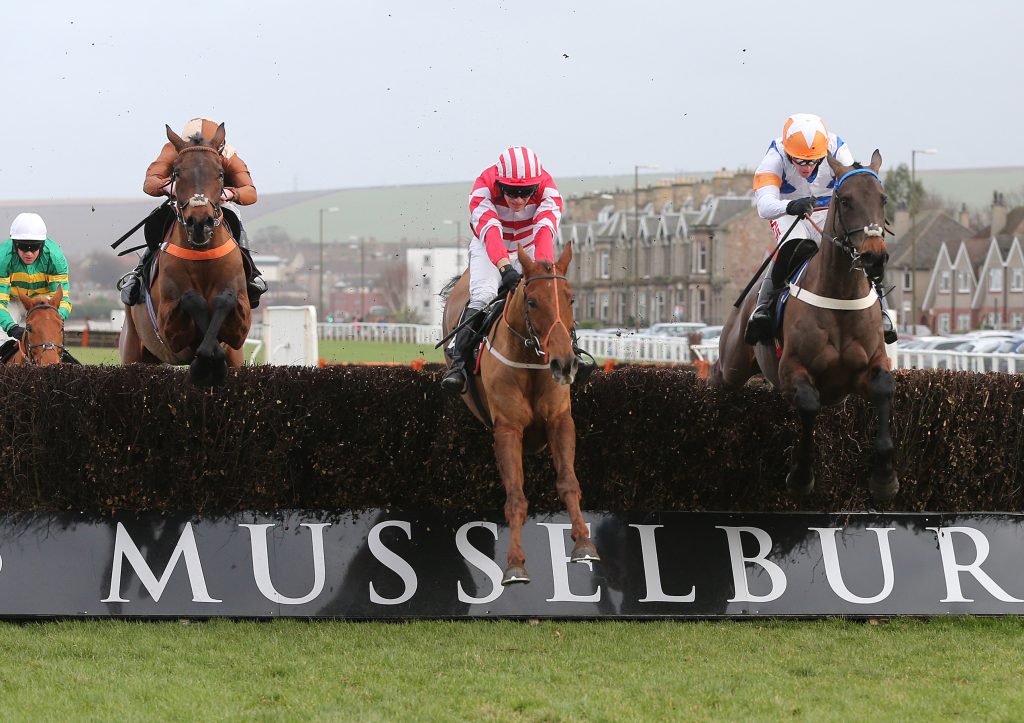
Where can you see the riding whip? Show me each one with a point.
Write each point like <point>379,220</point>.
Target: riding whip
<point>764,264</point>
<point>466,321</point>
<point>137,226</point>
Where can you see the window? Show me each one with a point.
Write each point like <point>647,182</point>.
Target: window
<point>1016,320</point>
<point>604,265</point>
<point>963,322</point>
<point>1017,280</point>
<point>659,306</point>
<point>943,323</point>
<point>908,279</point>
<point>700,304</point>
<point>620,308</point>
<point>603,309</point>
<point>700,256</point>
<point>963,282</point>
<point>944,282</point>
<point>995,280</point>
<point>590,305</point>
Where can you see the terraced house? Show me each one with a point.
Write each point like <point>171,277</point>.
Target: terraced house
<point>677,251</point>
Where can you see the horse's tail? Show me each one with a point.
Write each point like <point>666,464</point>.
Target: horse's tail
<point>446,290</point>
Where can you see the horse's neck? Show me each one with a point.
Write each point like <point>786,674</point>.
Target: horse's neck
<point>832,275</point>
<point>221,235</point>
<point>514,317</point>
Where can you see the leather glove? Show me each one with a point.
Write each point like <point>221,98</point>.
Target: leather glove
<point>800,207</point>
<point>509,278</point>
<point>16,332</point>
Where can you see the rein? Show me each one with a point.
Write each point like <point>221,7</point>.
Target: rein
<point>533,342</point>
<point>26,347</point>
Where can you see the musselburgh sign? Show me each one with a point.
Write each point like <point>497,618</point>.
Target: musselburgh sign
<point>377,564</point>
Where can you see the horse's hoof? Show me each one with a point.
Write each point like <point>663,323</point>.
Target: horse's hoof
<point>201,372</point>
<point>515,575</point>
<point>797,487</point>
<point>584,552</point>
<point>884,491</point>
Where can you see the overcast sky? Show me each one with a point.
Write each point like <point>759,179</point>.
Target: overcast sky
<point>320,95</point>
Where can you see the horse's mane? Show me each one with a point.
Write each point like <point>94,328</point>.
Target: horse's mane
<point>856,165</point>
<point>196,139</point>
<point>446,290</point>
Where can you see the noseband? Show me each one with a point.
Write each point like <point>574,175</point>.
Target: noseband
<point>844,242</point>
<point>533,341</point>
<point>27,348</point>
<point>197,199</point>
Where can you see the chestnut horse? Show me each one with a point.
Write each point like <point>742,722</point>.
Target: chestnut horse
<point>831,330</point>
<point>42,343</point>
<point>526,366</point>
<point>197,311</point>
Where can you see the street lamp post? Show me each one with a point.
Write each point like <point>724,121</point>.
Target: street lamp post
<point>636,242</point>
<point>320,307</point>
<point>913,234</point>
<point>362,274</point>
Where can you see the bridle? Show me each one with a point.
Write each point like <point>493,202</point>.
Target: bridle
<point>533,341</point>
<point>198,199</point>
<point>843,242</point>
<point>28,348</point>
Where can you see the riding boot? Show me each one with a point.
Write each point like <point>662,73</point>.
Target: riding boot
<point>759,325</point>
<point>584,361</point>
<point>888,331</point>
<point>255,286</point>
<point>130,285</point>
<point>455,379</point>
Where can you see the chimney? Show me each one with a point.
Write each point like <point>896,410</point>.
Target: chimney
<point>998,213</point>
<point>901,223</point>
<point>965,218</point>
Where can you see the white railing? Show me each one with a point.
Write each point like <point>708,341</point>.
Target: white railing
<point>636,347</point>
<point>960,361</point>
<point>397,333</point>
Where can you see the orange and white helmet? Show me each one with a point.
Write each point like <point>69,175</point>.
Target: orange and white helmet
<point>805,136</point>
<point>519,166</point>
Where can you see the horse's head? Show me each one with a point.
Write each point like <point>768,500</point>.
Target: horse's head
<point>858,217</point>
<point>547,301</point>
<point>198,175</point>
<point>43,340</point>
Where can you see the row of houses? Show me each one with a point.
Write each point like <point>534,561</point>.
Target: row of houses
<point>684,251</point>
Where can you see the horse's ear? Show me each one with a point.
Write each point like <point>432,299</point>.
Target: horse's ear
<point>837,168</point>
<point>876,161</point>
<point>563,261</point>
<point>525,262</point>
<point>218,137</point>
<point>58,296</point>
<point>175,139</point>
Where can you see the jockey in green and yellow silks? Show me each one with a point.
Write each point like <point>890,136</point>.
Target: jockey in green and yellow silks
<point>30,265</point>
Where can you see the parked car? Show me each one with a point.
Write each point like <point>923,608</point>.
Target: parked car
<point>674,328</point>
<point>709,334</point>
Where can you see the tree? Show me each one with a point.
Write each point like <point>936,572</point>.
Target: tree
<point>903,194</point>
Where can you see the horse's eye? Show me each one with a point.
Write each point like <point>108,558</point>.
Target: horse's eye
<point>572,299</point>
<point>532,303</point>
<point>845,201</point>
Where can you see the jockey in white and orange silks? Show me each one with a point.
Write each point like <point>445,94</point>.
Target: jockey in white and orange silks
<point>514,202</point>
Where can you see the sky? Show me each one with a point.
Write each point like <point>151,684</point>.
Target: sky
<point>325,95</point>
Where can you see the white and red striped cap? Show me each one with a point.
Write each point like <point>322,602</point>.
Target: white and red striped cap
<point>519,166</point>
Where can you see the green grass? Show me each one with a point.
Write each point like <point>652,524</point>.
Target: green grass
<point>837,670</point>
<point>331,351</point>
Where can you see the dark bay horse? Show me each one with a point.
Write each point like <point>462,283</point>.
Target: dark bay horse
<point>42,343</point>
<point>197,311</point>
<point>526,367</point>
<point>832,328</point>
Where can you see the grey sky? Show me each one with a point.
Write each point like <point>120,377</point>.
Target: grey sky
<point>336,94</point>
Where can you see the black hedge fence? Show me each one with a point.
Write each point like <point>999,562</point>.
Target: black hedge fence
<point>108,439</point>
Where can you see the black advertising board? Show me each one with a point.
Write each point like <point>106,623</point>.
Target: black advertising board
<point>377,565</point>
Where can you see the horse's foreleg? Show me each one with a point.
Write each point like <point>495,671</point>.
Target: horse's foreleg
<point>508,450</point>
<point>884,483</point>
<point>807,401</point>
<point>562,440</point>
<point>210,365</point>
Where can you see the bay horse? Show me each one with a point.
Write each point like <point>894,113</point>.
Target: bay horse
<point>831,328</point>
<point>42,344</point>
<point>197,311</point>
<point>527,364</point>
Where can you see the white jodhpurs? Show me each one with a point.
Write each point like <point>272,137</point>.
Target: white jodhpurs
<point>484,278</point>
